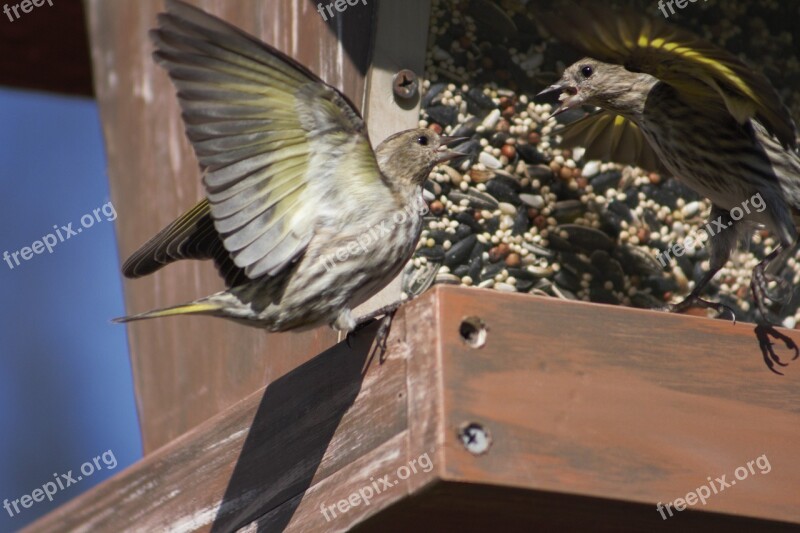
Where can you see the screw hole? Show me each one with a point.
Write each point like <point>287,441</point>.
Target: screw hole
<point>473,332</point>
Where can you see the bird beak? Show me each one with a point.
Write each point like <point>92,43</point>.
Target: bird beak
<point>446,155</point>
<point>568,97</point>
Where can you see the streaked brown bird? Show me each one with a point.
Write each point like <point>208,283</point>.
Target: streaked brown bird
<point>293,185</point>
<point>667,96</point>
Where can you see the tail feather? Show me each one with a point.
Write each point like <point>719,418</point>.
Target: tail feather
<point>192,308</point>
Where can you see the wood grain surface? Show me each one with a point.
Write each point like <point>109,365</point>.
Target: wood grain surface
<point>616,402</point>
<point>595,414</point>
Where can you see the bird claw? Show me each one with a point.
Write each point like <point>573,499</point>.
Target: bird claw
<point>382,335</point>
<point>692,301</point>
<point>763,334</point>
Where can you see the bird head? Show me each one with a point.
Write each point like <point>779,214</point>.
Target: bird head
<point>411,154</point>
<point>592,82</point>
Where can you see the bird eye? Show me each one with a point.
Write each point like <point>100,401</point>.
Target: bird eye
<point>422,140</point>
<point>587,71</point>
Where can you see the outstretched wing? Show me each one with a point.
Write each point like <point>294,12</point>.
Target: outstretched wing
<point>270,137</point>
<point>610,137</point>
<point>695,67</point>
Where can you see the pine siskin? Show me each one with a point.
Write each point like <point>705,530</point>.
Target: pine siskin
<point>302,218</point>
<point>667,96</point>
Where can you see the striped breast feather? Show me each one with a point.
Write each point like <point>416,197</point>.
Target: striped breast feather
<point>265,130</point>
<point>698,69</point>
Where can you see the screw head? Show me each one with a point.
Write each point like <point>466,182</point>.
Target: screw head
<point>405,84</point>
<point>475,438</point>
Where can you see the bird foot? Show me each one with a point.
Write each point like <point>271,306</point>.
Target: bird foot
<point>696,301</point>
<point>763,333</point>
<point>382,335</point>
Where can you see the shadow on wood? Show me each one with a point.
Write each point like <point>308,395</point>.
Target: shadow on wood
<point>295,424</point>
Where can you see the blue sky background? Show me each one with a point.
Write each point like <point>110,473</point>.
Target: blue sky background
<point>66,391</point>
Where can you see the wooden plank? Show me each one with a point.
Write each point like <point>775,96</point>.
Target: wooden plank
<point>275,444</point>
<point>188,369</point>
<point>590,428</point>
<point>46,49</point>
<point>641,406</point>
<point>372,478</point>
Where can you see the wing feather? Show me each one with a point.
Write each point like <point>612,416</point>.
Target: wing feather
<point>269,135</point>
<point>610,137</point>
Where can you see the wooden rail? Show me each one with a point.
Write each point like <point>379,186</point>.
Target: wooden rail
<point>594,414</point>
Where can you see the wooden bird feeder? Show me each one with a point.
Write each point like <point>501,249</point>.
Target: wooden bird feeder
<point>488,410</point>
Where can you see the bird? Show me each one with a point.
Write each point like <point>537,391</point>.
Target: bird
<point>303,219</point>
<point>664,98</point>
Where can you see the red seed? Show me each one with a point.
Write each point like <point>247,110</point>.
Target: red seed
<point>506,101</point>
<point>513,260</point>
<point>509,151</point>
<point>498,252</point>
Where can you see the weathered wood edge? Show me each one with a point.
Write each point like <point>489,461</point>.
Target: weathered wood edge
<point>445,383</point>
<point>258,454</point>
<point>619,403</point>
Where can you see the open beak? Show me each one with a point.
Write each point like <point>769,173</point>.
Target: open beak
<point>446,155</point>
<point>569,97</point>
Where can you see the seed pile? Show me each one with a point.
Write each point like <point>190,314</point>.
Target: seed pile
<point>519,214</point>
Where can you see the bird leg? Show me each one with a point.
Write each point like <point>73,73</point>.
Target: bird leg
<point>386,310</point>
<point>759,283</point>
<point>382,335</point>
<point>761,278</point>
<point>722,244</point>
